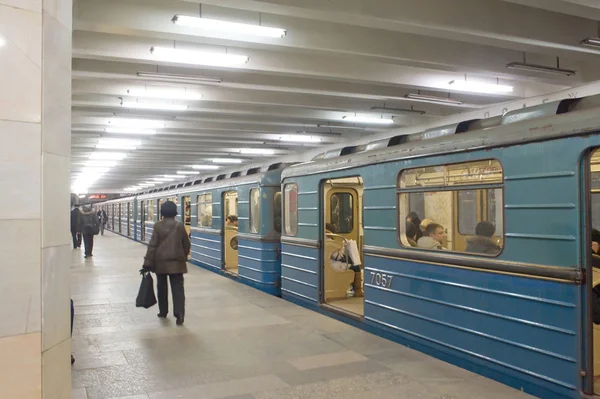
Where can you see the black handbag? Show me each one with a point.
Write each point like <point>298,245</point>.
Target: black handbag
<point>146,298</point>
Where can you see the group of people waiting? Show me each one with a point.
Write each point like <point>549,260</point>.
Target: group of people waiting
<point>430,235</point>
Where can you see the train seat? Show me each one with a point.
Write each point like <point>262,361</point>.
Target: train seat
<point>336,282</point>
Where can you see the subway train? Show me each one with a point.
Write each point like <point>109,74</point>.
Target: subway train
<point>506,291</point>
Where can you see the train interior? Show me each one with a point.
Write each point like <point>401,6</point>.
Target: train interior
<point>428,195</point>
<point>230,232</point>
<point>343,229</point>
<point>595,224</point>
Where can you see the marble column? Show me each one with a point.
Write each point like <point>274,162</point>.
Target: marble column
<point>35,139</point>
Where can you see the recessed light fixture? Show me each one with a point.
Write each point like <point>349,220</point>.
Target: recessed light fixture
<point>300,138</point>
<point>433,99</point>
<point>154,92</point>
<point>257,151</point>
<point>205,167</point>
<point>129,131</point>
<point>591,42</point>
<point>179,78</point>
<point>226,26</point>
<point>367,119</point>
<point>198,57</point>
<point>117,156</point>
<point>226,160</point>
<point>522,66</point>
<point>157,107</point>
<point>479,87</point>
<point>137,123</point>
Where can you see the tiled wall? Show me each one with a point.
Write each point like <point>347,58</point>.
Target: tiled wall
<point>35,121</point>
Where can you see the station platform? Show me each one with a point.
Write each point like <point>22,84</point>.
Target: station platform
<point>237,343</point>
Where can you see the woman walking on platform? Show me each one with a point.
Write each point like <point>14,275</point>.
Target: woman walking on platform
<point>167,255</point>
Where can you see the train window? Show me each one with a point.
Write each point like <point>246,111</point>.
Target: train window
<point>151,211</point>
<point>341,212</point>
<point>290,209</point>
<point>205,210</point>
<point>461,217</point>
<point>277,211</point>
<point>254,210</point>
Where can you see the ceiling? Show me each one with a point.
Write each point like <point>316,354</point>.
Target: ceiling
<point>338,59</point>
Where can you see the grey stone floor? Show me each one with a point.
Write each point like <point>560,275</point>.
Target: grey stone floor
<point>237,343</point>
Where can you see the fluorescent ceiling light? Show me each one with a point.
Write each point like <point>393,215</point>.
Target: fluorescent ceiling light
<point>136,123</point>
<point>153,92</point>
<point>433,99</point>
<point>521,66</point>
<point>105,140</point>
<point>100,163</point>
<point>131,189</point>
<point>205,167</point>
<point>172,176</point>
<point>154,181</point>
<point>197,57</point>
<point>226,160</point>
<point>94,170</point>
<point>225,26</point>
<point>478,87</point>
<point>178,78</point>
<point>157,107</point>
<point>162,179</point>
<point>187,172</point>
<point>396,110</point>
<point>257,151</point>
<point>366,119</point>
<point>2,41</point>
<point>115,147</point>
<point>325,126</point>
<point>130,131</point>
<point>591,42</point>
<point>108,155</point>
<point>300,138</point>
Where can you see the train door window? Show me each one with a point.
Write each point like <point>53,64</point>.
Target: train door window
<point>461,217</point>
<point>142,236</point>
<point>254,210</point>
<point>416,203</point>
<point>343,241</point>
<point>205,210</point>
<point>290,209</point>
<point>151,211</point>
<point>277,211</point>
<point>186,204</point>
<point>230,231</point>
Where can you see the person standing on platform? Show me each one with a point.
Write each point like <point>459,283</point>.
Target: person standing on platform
<point>167,256</point>
<point>75,232</point>
<point>89,227</point>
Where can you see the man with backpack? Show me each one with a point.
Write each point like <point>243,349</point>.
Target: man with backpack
<point>89,227</point>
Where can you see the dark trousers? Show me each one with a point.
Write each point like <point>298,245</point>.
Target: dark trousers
<point>354,268</point>
<point>72,316</point>
<point>88,243</point>
<point>176,290</point>
<point>76,239</point>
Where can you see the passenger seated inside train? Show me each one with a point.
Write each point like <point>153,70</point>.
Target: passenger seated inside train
<point>231,222</point>
<point>482,242</point>
<point>433,237</point>
<point>596,264</point>
<point>423,225</point>
<point>412,234</point>
<point>414,218</point>
<point>347,257</point>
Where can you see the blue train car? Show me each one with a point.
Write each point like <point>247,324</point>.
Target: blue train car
<point>495,275</point>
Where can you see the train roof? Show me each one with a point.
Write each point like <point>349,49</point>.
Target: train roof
<point>541,122</point>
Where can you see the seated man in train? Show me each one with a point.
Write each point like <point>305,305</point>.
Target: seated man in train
<point>231,222</point>
<point>433,237</point>
<point>482,242</point>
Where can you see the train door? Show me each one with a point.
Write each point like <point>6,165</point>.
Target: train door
<point>591,256</point>
<point>129,218</point>
<point>230,231</point>
<point>142,236</point>
<point>120,217</point>
<point>342,265</point>
<point>186,211</point>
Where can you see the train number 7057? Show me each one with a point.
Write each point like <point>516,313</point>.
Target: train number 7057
<point>381,279</point>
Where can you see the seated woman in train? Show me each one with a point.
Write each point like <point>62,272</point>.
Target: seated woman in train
<point>433,236</point>
<point>414,218</point>
<point>411,233</point>
<point>482,242</point>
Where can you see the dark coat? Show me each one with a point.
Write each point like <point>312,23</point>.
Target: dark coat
<point>75,220</point>
<point>482,245</point>
<point>88,223</point>
<point>169,248</point>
